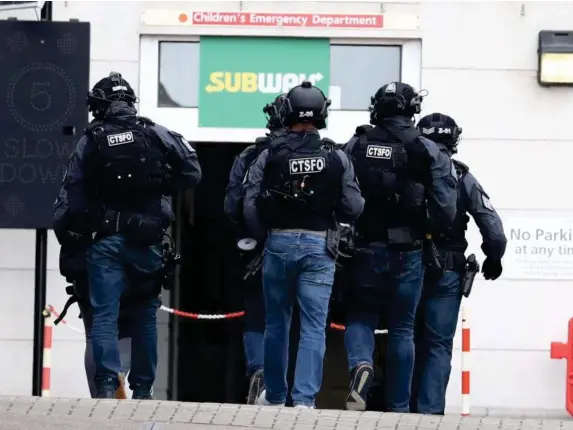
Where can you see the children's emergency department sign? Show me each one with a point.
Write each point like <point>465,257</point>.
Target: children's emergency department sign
<point>239,75</point>
<point>313,20</point>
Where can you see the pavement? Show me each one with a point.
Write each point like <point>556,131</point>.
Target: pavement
<point>35,413</point>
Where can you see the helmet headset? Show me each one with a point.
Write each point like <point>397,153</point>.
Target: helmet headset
<point>441,128</point>
<point>113,88</point>
<point>396,99</point>
<point>305,103</point>
<point>272,112</point>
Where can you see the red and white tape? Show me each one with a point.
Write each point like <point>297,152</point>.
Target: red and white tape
<point>52,311</point>
<point>196,316</point>
<point>466,348</point>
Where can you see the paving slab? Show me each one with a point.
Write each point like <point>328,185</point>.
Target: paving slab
<point>37,413</point>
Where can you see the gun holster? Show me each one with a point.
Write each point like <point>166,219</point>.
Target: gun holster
<point>333,241</point>
<point>166,274</point>
<point>471,269</point>
<point>346,245</point>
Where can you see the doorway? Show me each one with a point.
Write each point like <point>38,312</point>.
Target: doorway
<point>209,355</point>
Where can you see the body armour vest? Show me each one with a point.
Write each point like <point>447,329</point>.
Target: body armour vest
<point>128,163</point>
<point>303,182</point>
<point>392,199</point>
<point>454,238</point>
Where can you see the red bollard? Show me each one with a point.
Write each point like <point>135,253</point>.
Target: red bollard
<point>561,350</point>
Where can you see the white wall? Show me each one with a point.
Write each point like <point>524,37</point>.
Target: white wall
<point>478,63</point>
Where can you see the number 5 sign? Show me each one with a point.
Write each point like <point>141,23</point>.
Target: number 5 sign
<point>40,97</point>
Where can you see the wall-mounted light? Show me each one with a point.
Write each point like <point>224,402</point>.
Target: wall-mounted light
<point>555,58</point>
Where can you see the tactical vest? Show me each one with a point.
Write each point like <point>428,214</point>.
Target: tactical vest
<point>393,200</point>
<point>128,163</point>
<point>303,183</point>
<point>454,237</point>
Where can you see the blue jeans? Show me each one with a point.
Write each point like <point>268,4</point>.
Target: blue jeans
<point>297,266</point>
<point>253,336</point>
<point>395,277</point>
<point>124,346</point>
<point>112,263</point>
<point>436,327</point>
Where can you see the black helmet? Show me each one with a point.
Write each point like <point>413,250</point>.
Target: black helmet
<point>441,129</point>
<point>109,89</point>
<point>395,99</point>
<point>272,110</point>
<point>305,103</point>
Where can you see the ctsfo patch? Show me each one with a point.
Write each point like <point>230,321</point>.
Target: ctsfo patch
<point>377,151</point>
<point>300,166</point>
<point>120,139</point>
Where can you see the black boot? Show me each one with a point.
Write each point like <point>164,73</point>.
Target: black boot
<point>105,393</point>
<point>256,385</point>
<point>359,385</point>
<point>141,392</point>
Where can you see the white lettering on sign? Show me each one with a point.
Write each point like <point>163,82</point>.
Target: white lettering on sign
<point>285,19</point>
<point>120,139</point>
<point>381,152</point>
<point>299,166</point>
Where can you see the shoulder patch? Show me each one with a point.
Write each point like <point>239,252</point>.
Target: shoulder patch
<point>120,138</point>
<point>486,201</point>
<point>379,151</point>
<point>183,141</point>
<point>303,166</point>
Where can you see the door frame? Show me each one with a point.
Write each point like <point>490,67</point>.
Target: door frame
<point>410,72</point>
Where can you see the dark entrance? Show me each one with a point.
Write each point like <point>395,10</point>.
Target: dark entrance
<point>208,355</point>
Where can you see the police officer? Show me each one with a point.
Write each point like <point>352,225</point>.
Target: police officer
<point>73,268</point>
<point>398,170</point>
<point>253,336</point>
<point>295,191</point>
<point>121,167</point>
<point>440,304</point>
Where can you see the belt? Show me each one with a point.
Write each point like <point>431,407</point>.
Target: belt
<point>299,230</point>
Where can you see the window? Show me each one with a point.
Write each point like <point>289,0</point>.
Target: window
<point>356,72</point>
<point>359,70</point>
<point>178,74</point>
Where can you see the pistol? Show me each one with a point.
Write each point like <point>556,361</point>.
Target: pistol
<point>470,271</point>
<point>171,260</point>
<point>434,267</point>
<point>254,265</point>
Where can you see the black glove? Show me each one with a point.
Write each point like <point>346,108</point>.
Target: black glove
<point>491,269</point>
